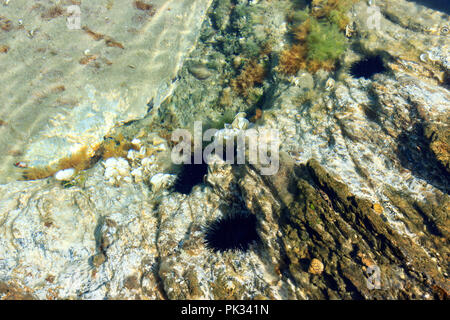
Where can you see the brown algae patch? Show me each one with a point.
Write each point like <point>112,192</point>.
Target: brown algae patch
<point>83,159</point>
<point>141,5</point>
<point>115,147</point>
<point>253,73</point>
<point>79,160</point>
<point>4,48</point>
<point>318,37</point>
<point>53,12</point>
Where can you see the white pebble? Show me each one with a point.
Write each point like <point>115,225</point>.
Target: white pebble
<point>116,170</point>
<point>136,142</point>
<point>137,174</point>
<point>64,175</point>
<point>161,180</point>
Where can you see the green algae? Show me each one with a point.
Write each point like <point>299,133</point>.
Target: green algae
<point>325,41</point>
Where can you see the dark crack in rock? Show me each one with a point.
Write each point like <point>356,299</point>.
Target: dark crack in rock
<point>321,219</point>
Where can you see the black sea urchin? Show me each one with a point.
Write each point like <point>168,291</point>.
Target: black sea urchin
<point>232,232</point>
<point>189,176</point>
<point>367,67</point>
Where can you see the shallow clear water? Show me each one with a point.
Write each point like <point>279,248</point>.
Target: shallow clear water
<point>224,149</point>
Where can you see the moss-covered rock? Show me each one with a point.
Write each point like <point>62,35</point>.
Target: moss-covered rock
<point>323,220</point>
<point>325,42</point>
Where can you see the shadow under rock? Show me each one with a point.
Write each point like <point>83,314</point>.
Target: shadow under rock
<point>415,154</point>
<point>439,5</point>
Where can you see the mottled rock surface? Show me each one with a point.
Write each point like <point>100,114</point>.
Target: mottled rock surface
<point>123,242</point>
<point>358,209</point>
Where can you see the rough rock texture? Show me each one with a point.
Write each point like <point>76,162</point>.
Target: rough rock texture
<point>362,186</point>
<point>121,242</point>
<point>327,222</point>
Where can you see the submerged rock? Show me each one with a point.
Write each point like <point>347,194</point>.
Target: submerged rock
<point>76,83</point>
<point>64,175</point>
<point>302,214</point>
<point>200,71</point>
<point>358,208</point>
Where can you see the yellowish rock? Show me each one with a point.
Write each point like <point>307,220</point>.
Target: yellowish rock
<point>377,208</point>
<point>316,266</point>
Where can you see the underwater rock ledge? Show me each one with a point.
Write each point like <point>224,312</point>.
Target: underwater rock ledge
<point>357,210</point>
<point>303,214</point>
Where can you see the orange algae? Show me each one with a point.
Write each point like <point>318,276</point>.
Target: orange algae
<point>293,59</point>
<point>114,147</point>
<point>253,73</point>
<point>81,160</point>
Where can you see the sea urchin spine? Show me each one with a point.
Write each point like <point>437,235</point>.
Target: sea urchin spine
<point>232,232</point>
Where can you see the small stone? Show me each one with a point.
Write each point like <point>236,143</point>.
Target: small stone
<point>305,81</point>
<point>147,161</point>
<point>136,142</point>
<point>98,259</point>
<point>160,147</point>
<point>377,208</point>
<point>316,266</point>
<point>237,61</point>
<point>143,151</point>
<point>116,170</point>
<point>64,175</point>
<point>240,123</point>
<point>329,84</point>
<point>200,71</point>
<point>131,283</point>
<point>137,174</point>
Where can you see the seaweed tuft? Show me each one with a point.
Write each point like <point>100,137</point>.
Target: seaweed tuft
<point>253,73</point>
<point>324,42</point>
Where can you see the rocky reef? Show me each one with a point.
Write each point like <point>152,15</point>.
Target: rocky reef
<point>357,210</point>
